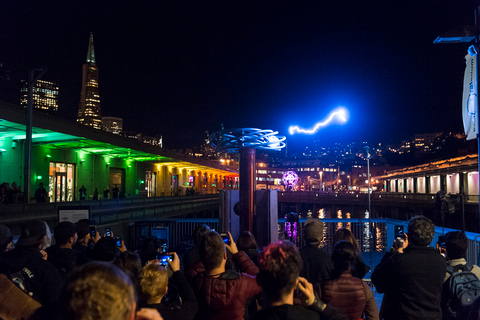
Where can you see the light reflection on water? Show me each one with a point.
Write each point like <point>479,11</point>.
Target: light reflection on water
<point>361,231</point>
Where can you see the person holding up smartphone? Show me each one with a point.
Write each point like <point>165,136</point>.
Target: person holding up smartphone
<point>154,285</point>
<point>222,294</point>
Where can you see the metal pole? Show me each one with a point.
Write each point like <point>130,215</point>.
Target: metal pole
<point>28,138</point>
<point>28,135</point>
<point>247,187</point>
<point>370,238</point>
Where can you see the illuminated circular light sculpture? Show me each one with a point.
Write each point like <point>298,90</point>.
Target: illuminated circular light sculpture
<point>232,139</point>
<point>245,141</point>
<point>290,179</point>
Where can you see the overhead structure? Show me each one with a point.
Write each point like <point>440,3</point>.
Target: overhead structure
<point>245,141</point>
<point>232,140</point>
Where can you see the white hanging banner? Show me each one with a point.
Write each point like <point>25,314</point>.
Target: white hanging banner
<point>470,97</point>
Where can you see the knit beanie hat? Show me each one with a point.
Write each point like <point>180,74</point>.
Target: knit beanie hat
<point>313,231</point>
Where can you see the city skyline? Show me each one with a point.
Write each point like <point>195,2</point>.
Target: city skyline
<point>180,69</point>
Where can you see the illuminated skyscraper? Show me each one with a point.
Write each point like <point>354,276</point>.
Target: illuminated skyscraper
<point>89,110</point>
<point>45,96</point>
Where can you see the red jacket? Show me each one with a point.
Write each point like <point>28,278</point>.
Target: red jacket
<point>350,296</point>
<point>224,297</point>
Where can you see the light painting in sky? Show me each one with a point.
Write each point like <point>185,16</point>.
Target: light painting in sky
<point>340,114</point>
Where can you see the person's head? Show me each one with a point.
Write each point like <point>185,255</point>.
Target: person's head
<point>130,263</point>
<point>198,233</point>
<point>456,243</point>
<point>83,231</point>
<point>313,232</point>
<point>280,265</point>
<point>246,241</point>
<point>153,282</point>
<point>98,290</point>
<point>6,238</point>
<point>149,249</point>
<point>212,250</point>
<point>420,231</point>
<point>347,235</point>
<point>40,184</point>
<point>105,250</point>
<point>33,234</point>
<point>65,233</point>
<point>344,256</point>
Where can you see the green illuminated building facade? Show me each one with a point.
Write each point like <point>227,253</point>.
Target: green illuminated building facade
<point>89,112</point>
<point>66,156</point>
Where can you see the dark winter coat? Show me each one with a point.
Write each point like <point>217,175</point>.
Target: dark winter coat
<point>412,283</point>
<point>350,296</point>
<point>224,297</point>
<point>27,268</point>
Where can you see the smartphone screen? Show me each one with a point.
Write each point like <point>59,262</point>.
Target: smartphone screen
<point>118,241</point>
<point>108,233</point>
<point>225,238</point>
<point>399,232</point>
<point>164,259</point>
<point>93,232</point>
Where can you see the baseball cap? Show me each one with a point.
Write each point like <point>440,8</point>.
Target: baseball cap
<point>32,233</point>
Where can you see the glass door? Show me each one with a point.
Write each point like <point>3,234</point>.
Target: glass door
<point>61,182</point>
<point>61,187</point>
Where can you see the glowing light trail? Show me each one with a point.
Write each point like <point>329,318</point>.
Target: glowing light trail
<point>339,113</point>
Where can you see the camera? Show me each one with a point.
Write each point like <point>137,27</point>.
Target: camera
<point>118,242</point>
<point>225,238</point>
<point>108,233</point>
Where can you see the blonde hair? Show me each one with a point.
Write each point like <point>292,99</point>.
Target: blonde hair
<point>98,290</point>
<point>153,281</point>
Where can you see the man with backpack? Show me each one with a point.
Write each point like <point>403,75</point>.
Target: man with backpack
<point>461,284</point>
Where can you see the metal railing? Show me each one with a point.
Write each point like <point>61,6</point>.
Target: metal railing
<point>312,196</point>
<point>359,227</point>
<point>180,231</point>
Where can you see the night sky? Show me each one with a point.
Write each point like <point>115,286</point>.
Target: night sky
<point>180,68</point>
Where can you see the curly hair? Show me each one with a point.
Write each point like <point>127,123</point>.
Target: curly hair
<point>456,243</point>
<point>280,265</point>
<point>153,282</point>
<point>98,290</point>
<point>420,231</point>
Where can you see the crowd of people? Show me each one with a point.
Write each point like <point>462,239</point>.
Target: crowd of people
<point>88,276</point>
<point>10,193</point>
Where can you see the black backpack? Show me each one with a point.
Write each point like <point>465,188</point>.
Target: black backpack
<point>462,287</point>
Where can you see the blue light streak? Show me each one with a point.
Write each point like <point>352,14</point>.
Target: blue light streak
<point>339,113</point>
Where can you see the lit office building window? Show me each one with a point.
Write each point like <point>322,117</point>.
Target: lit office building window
<point>45,96</point>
